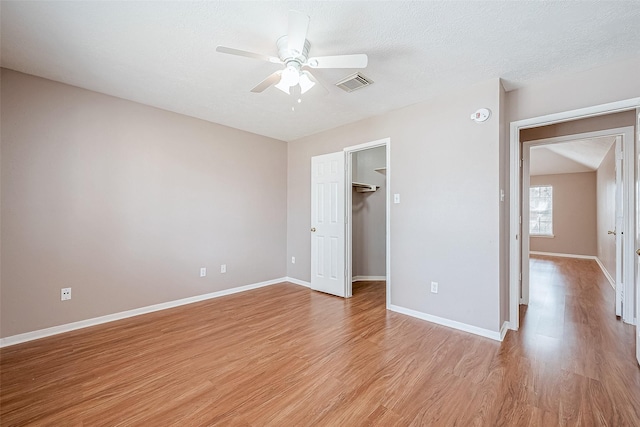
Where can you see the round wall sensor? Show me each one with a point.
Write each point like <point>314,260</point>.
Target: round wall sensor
<point>482,115</point>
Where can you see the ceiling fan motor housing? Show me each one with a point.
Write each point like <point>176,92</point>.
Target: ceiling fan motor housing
<point>288,56</point>
<point>293,52</point>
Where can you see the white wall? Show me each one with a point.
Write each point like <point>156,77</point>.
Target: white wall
<point>606,187</point>
<point>369,214</point>
<point>447,227</point>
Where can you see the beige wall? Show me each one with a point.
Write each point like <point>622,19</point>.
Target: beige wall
<point>613,82</point>
<point>504,209</point>
<point>105,210</point>
<point>446,228</point>
<point>606,187</point>
<point>610,83</point>
<point>124,203</point>
<point>591,124</point>
<point>581,90</point>
<point>369,214</point>
<point>574,214</point>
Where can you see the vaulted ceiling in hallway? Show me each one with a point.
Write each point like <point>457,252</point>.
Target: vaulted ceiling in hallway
<point>163,53</point>
<point>579,155</point>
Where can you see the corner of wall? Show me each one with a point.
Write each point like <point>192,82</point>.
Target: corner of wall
<point>504,207</point>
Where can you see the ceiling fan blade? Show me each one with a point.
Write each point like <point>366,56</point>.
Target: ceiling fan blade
<point>316,81</point>
<point>339,61</point>
<point>272,79</point>
<point>298,26</point>
<point>238,52</point>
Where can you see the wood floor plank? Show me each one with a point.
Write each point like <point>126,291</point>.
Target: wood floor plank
<point>285,355</point>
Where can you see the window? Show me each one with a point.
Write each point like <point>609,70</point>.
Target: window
<point>541,210</point>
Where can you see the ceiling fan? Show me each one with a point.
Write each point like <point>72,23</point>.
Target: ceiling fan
<point>293,53</point>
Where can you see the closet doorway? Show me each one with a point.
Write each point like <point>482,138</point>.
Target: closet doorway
<point>341,252</point>
<point>367,210</point>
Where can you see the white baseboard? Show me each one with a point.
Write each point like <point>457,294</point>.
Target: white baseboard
<point>55,330</point>
<point>368,278</point>
<point>612,282</point>
<point>562,255</point>
<point>503,330</point>
<point>494,335</point>
<point>297,282</point>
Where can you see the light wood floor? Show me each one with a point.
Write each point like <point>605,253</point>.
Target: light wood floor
<point>287,356</point>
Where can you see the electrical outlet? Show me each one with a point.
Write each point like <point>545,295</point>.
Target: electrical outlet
<point>293,260</point>
<point>223,268</point>
<point>203,272</point>
<point>65,294</point>
<point>434,287</point>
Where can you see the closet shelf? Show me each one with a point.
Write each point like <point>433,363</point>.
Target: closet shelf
<point>364,188</point>
<point>383,171</point>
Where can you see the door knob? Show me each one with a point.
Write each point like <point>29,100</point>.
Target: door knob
<point>638,252</point>
<point>611,232</point>
<point>313,229</point>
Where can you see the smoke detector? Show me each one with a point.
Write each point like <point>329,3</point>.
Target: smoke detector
<point>354,82</point>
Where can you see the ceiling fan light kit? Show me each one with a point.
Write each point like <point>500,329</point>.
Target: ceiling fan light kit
<point>293,53</point>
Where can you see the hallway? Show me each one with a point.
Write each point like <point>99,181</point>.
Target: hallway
<point>578,360</point>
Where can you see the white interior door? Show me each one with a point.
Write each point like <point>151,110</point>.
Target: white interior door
<point>637,215</point>
<point>619,214</point>
<point>328,223</point>
<point>526,216</point>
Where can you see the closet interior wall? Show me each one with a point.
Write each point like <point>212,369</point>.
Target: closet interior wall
<point>369,215</point>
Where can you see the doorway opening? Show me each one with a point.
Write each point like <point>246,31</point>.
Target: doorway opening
<point>576,202</point>
<point>519,227</point>
<point>347,241</point>
<point>367,234</point>
<point>368,223</point>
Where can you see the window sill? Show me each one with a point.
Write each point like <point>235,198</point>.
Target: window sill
<point>548,236</point>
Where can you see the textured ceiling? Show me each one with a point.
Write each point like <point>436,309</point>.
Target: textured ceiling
<point>583,155</point>
<point>163,53</point>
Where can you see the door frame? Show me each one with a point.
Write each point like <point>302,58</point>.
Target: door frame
<point>637,236</point>
<point>515,213</point>
<point>385,142</point>
<point>626,257</point>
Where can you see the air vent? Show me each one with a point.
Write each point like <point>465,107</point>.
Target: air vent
<point>354,82</point>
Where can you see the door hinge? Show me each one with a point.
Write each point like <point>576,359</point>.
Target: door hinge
<point>521,277</point>
<point>520,219</point>
<point>520,162</point>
